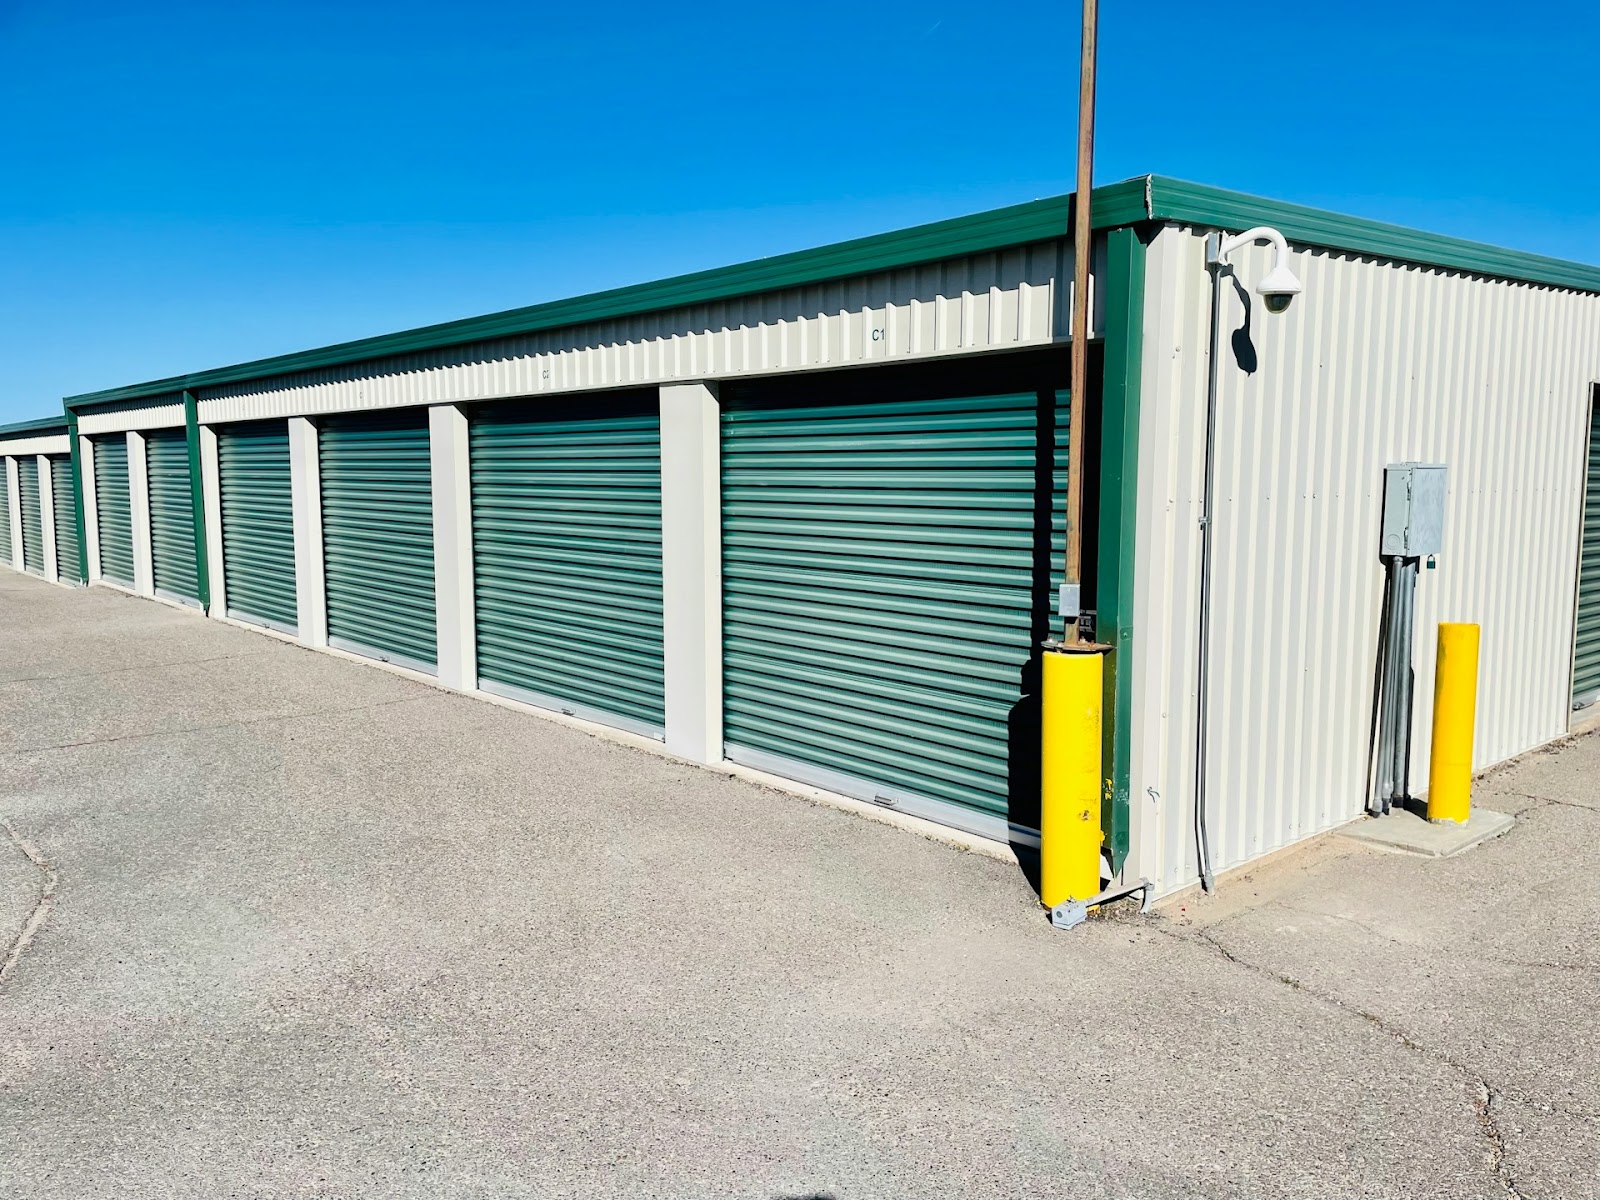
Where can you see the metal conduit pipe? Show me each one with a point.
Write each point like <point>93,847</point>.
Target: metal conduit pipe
<point>1405,680</point>
<point>1277,289</point>
<point>1202,833</point>
<point>1387,665</point>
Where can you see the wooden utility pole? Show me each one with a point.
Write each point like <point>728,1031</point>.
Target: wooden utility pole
<point>1081,253</point>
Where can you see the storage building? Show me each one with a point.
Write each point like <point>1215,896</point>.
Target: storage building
<point>38,503</point>
<point>803,514</point>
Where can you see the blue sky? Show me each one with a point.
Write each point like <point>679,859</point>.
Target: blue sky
<point>192,184</point>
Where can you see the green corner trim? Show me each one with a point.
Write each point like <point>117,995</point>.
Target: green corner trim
<point>1119,493</point>
<point>77,497</point>
<point>197,493</point>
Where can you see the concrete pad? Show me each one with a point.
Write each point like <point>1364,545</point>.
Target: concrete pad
<point>1411,833</point>
<point>313,939</point>
<point>93,630</point>
<point>1561,773</point>
<point>1488,960</point>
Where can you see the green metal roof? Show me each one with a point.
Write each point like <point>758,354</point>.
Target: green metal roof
<point>1198,204</point>
<point>1144,198</point>
<point>34,428</point>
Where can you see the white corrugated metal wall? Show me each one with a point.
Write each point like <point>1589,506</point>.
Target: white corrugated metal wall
<point>1003,300</point>
<point>156,412</point>
<point>52,443</point>
<point>1377,362</point>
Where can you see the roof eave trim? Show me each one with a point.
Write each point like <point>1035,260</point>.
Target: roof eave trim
<point>1181,202</point>
<point>38,425</point>
<point>1038,220</point>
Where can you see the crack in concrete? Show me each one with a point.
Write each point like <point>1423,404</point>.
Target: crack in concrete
<point>1562,803</point>
<point>185,662</point>
<point>42,906</point>
<point>1537,964</point>
<point>236,724</point>
<point>1484,1099</point>
<point>1484,1095</point>
<point>1364,926</point>
<point>1533,803</point>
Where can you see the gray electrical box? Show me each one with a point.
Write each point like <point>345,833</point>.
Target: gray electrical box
<point>1413,510</point>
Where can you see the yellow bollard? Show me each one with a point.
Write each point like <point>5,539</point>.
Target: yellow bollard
<point>1069,803</point>
<point>1455,706</point>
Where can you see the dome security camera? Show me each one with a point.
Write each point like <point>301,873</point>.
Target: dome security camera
<point>1278,288</point>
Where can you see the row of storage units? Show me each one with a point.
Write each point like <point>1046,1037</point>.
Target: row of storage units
<point>800,513</point>
<point>566,546</point>
<point>38,514</point>
<point>145,482</point>
<point>884,555</point>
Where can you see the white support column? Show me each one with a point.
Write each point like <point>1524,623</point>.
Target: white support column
<point>14,510</point>
<point>211,494</point>
<point>305,482</point>
<point>91,507</point>
<point>691,568</point>
<point>144,576</point>
<point>452,548</point>
<point>47,517</point>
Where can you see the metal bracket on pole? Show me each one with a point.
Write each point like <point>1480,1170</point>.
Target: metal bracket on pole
<point>1067,602</point>
<point>1069,914</point>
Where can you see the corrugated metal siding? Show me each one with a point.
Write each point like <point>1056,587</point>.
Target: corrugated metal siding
<point>172,549</point>
<point>114,514</point>
<point>377,536</point>
<point>884,596</point>
<point>1003,300</point>
<point>32,516</point>
<point>158,412</point>
<point>1375,363</point>
<point>1586,635</point>
<point>5,512</point>
<point>67,567</point>
<point>50,443</point>
<point>257,514</point>
<point>566,537</point>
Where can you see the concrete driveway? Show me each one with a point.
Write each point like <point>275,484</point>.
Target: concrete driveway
<point>314,930</point>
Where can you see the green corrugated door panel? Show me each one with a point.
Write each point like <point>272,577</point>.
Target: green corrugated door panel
<point>5,511</point>
<point>32,516</point>
<point>885,593</point>
<point>377,535</point>
<point>1586,649</point>
<point>172,549</point>
<point>66,518</point>
<point>566,529</point>
<point>113,508</point>
<point>1058,516</point>
<point>257,523</point>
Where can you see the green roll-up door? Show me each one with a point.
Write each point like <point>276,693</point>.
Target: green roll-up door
<point>66,519</point>
<point>172,548</point>
<point>258,523</point>
<point>1586,649</point>
<point>112,508</point>
<point>5,512</point>
<point>886,585</point>
<point>32,515</point>
<point>566,534</point>
<point>377,534</point>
